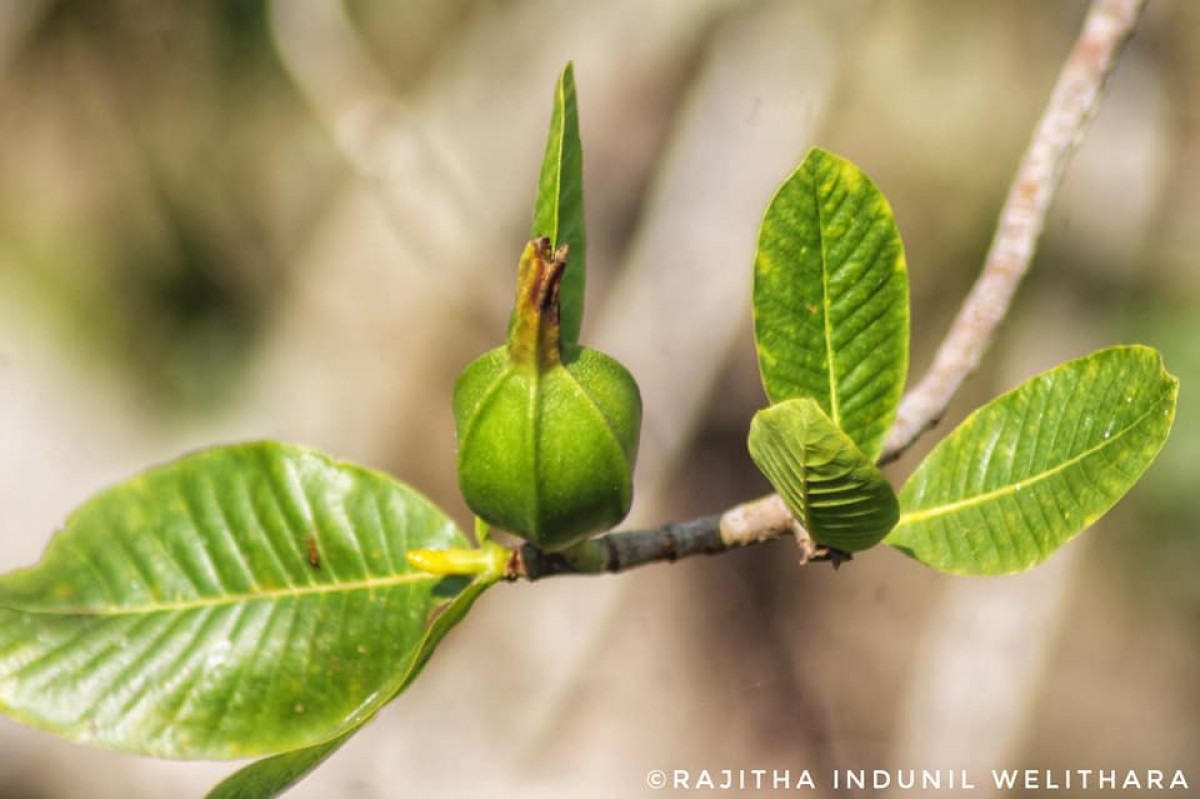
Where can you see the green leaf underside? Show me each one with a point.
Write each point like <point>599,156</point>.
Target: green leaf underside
<point>243,600</point>
<point>829,485</point>
<point>558,210</point>
<point>831,298</point>
<point>272,776</point>
<point>1033,468</point>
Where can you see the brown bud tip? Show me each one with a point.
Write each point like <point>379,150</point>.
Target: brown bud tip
<point>534,337</point>
<point>550,271</point>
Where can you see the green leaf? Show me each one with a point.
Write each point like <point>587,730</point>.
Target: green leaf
<point>558,211</point>
<point>1033,468</point>
<point>274,775</point>
<point>829,485</point>
<point>270,777</point>
<point>244,600</point>
<point>831,298</point>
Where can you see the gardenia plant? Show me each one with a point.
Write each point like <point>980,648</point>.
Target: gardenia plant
<point>265,600</point>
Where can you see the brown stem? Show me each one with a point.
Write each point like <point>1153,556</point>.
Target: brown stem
<point>1072,104</point>
<point>751,523</point>
<point>616,552</point>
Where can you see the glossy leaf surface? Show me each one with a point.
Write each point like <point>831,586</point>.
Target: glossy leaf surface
<point>1030,470</point>
<point>242,600</point>
<point>272,776</point>
<point>831,298</point>
<point>829,485</point>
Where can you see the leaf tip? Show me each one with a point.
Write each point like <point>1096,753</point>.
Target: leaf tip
<point>816,153</point>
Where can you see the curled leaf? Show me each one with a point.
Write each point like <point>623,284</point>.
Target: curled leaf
<point>834,490</point>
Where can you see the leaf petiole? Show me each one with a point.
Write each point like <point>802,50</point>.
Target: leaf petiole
<point>489,559</point>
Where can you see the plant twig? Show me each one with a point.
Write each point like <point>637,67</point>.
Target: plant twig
<point>617,552</point>
<point>1072,104</point>
<point>753,522</point>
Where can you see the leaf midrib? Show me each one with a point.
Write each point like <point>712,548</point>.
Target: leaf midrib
<point>1011,488</point>
<point>835,410</point>
<point>560,147</point>
<point>391,581</point>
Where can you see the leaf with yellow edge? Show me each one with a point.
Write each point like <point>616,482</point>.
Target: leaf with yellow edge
<point>1030,470</point>
<point>831,298</point>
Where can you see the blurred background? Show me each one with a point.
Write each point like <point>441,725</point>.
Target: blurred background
<point>299,219</point>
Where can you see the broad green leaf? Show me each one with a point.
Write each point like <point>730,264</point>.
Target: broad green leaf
<point>240,601</point>
<point>831,298</point>
<point>274,775</point>
<point>828,484</point>
<point>558,211</point>
<point>1033,468</point>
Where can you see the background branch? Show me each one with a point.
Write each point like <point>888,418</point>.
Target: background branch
<point>1073,102</point>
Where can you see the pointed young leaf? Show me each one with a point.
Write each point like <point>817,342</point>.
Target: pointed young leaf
<point>558,211</point>
<point>272,776</point>
<point>1030,470</point>
<point>831,298</point>
<point>829,485</point>
<point>240,601</point>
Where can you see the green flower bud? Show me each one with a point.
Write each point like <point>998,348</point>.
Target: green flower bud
<point>547,431</point>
